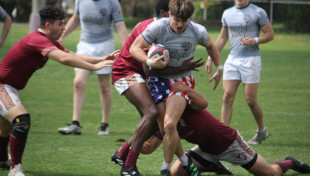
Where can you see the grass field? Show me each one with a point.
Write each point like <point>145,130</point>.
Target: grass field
<point>284,95</point>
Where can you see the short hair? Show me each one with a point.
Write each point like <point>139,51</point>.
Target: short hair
<point>162,5</point>
<point>51,14</point>
<point>181,8</point>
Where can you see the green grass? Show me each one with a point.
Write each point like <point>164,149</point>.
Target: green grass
<point>284,95</point>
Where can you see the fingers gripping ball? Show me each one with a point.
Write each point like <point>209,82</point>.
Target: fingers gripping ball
<point>158,50</point>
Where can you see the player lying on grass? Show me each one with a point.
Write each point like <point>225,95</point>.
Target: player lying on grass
<point>217,142</point>
<point>16,68</point>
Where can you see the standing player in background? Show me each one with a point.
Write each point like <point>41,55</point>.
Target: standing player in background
<point>128,78</point>
<point>16,68</point>
<point>180,36</point>
<point>97,39</point>
<point>242,24</point>
<point>7,25</point>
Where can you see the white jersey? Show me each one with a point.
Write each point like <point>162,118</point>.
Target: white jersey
<point>181,46</point>
<point>241,23</point>
<point>97,19</point>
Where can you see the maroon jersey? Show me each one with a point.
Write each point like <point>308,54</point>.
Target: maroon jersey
<point>25,57</point>
<point>203,129</point>
<point>125,64</point>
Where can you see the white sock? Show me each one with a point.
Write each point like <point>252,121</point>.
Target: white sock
<point>166,166</point>
<point>184,160</point>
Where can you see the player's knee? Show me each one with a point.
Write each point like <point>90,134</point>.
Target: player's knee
<point>250,101</point>
<point>79,85</point>
<point>169,127</point>
<point>152,113</point>
<point>21,125</point>
<point>228,99</point>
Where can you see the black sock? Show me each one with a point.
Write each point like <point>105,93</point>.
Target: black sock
<point>104,124</point>
<point>77,123</point>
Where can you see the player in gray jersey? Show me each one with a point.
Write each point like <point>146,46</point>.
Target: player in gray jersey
<point>97,39</point>
<point>242,24</point>
<point>180,36</point>
<point>7,20</point>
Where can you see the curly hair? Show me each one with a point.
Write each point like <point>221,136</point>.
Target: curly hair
<point>51,14</point>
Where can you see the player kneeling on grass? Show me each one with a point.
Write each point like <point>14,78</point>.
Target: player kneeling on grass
<point>218,142</point>
<point>22,60</point>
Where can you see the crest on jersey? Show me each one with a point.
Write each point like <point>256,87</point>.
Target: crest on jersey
<point>246,18</point>
<point>186,46</point>
<point>103,12</point>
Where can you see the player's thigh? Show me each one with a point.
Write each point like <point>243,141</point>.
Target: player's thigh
<point>175,106</point>
<point>250,91</point>
<point>139,95</point>
<point>262,167</point>
<point>81,76</point>
<point>230,87</point>
<point>104,81</point>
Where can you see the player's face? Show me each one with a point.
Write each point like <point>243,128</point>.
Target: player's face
<point>57,29</point>
<point>241,3</point>
<point>177,24</point>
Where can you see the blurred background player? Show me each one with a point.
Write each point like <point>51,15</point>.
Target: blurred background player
<point>242,24</point>
<point>16,68</point>
<point>7,20</point>
<point>97,39</point>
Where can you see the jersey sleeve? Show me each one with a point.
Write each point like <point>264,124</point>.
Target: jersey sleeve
<point>76,7</point>
<point>3,13</point>
<point>224,24</point>
<point>201,33</point>
<point>263,18</point>
<point>153,31</point>
<point>117,13</point>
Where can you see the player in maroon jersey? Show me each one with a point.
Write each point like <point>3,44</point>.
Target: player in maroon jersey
<point>217,142</point>
<point>22,60</point>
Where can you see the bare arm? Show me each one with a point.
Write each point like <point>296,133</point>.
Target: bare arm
<point>72,24</point>
<point>94,60</point>
<point>186,66</point>
<point>198,101</point>
<point>73,61</point>
<point>122,31</point>
<point>6,28</point>
<point>136,50</point>
<point>267,36</point>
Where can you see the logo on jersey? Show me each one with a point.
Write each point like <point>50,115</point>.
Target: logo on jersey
<point>186,46</point>
<point>103,12</point>
<point>246,18</point>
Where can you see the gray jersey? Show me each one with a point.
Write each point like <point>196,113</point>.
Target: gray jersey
<point>2,13</point>
<point>241,23</point>
<point>181,46</point>
<point>97,19</point>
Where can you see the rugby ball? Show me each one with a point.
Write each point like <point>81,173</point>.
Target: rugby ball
<point>158,50</point>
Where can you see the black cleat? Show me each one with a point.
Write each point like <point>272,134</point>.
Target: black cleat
<point>300,167</point>
<point>221,169</point>
<point>133,171</point>
<point>117,159</point>
<point>165,172</point>
<point>191,169</point>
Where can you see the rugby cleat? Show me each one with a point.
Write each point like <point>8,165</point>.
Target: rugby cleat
<point>132,171</point>
<point>104,129</point>
<point>300,167</point>
<point>165,172</point>
<point>6,164</point>
<point>70,129</point>
<point>117,159</point>
<point>259,137</point>
<point>191,169</point>
<point>17,171</point>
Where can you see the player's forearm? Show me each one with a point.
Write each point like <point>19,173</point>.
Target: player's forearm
<point>165,71</point>
<point>6,28</point>
<point>198,102</point>
<point>72,24</point>
<point>122,31</point>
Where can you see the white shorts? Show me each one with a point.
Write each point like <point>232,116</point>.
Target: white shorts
<point>123,84</point>
<point>97,49</point>
<point>9,97</point>
<point>238,153</point>
<point>246,69</point>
